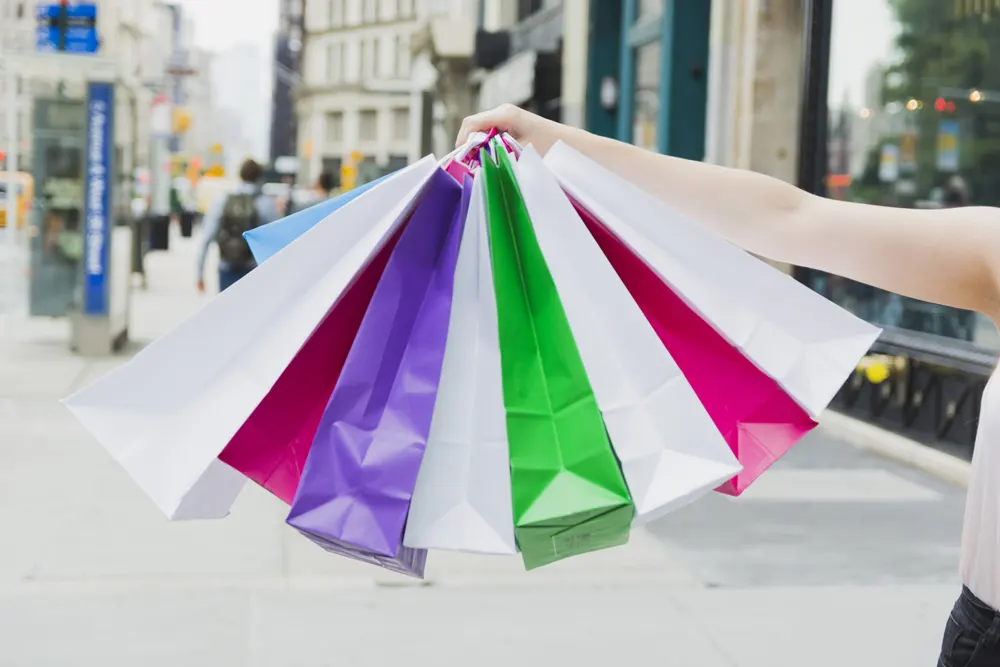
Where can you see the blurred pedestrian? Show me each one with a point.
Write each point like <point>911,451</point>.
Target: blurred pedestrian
<point>321,190</point>
<point>949,256</point>
<point>325,185</point>
<point>227,219</point>
<point>956,192</point>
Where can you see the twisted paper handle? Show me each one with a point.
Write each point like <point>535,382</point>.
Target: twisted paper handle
<point>468,154</point>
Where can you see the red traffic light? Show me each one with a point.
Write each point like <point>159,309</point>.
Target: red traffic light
<point>942,105</point>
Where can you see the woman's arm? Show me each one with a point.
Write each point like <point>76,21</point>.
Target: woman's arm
<point>949,256</point>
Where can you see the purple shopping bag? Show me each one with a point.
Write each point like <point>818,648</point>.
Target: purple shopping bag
<point>356,486</point>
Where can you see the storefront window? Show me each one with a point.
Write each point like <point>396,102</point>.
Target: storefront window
<point>646,108</point>
<point>648,9</point>
<point>914,121</point>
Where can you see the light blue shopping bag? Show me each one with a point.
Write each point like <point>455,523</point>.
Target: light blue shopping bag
<point>268,239</point>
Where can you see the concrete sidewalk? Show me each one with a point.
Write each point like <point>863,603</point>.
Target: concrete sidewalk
<point>91,574</point>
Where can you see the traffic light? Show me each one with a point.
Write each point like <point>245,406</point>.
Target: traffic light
<point>941,105</point>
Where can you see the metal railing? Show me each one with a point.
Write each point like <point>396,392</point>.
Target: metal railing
<point>925,386</point>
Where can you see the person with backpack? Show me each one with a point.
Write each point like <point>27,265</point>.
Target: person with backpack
<point>226,221</point>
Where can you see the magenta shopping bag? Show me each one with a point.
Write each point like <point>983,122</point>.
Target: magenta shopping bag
<point>358,479</point>
<point>754,414</point>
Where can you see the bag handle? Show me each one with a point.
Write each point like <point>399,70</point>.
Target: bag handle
<point>468,153</point>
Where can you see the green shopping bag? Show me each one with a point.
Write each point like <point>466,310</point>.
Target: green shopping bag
<point>569,496</point>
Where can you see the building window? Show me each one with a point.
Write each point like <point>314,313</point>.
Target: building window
<point>371,11</point>
<point>406,9</point>
<point>646,100</point>
<point>336,13</point>
<point>20,10</point>
<point>526,8</point>
<point>383,59</point>
<point>334,127</point>
<point>368,57</point>
<point>396,162</point>
<point>648,9</point>
<point>402,57</point>
<point>363,59</point>
<point>913,121</point>
<point>388,9</point>
<point>401,124</point>
<point>368,121</point>
<point>335,62</point>
<point>352,12</point>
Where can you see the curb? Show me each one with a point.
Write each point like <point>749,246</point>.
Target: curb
<point>886,444</point>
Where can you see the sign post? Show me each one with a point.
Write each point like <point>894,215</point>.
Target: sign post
<point>100,323</point>
<point>97,197</point>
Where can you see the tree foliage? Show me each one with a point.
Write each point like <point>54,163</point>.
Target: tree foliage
<point>939,54</point>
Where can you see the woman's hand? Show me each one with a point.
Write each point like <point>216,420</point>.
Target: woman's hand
<point>525,127</point>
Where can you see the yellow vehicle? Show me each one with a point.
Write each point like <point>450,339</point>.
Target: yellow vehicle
<point>24,193</point>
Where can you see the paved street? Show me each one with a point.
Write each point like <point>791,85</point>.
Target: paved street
<point>13,280</point>
<point>834,558</point>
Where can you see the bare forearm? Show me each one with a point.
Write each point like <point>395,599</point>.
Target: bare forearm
<point>891,248</point>
<point>947,257</point>
<point>746,208</point>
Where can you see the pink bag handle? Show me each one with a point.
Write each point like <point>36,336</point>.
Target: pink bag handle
<point>468,154</point>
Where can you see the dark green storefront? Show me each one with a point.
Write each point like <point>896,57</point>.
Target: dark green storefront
<point>647,79</point>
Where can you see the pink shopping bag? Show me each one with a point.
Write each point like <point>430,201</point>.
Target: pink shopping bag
<point>272,445</point>
<point>755,416</point>
<point>458,171</point>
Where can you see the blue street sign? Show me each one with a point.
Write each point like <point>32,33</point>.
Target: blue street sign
<point>97,196</point>
<point>80,35</point>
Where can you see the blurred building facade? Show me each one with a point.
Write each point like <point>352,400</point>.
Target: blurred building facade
<point>519,57</point>
<point>356,99</point>
<point>287,77</point>
<point>139,37</point>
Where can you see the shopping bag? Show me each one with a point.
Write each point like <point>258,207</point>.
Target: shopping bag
<point>670,450</point>
<point>168,413</point>
<point>362,468</point>
<point>809,345</point>
<point>459,171</point>
<point>758,420</point>
<point>268,239</point>
<point>462,497</point>
<point>568,493</point>
<point>272,445</point>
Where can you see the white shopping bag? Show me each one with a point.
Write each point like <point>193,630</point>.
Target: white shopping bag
<point>167,414</point>
<point>462,497</point>
<point>806,343</point>
<point>671,453</point>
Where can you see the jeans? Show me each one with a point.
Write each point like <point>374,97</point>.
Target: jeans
<point>228,275</point>
<point>972,636</point>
